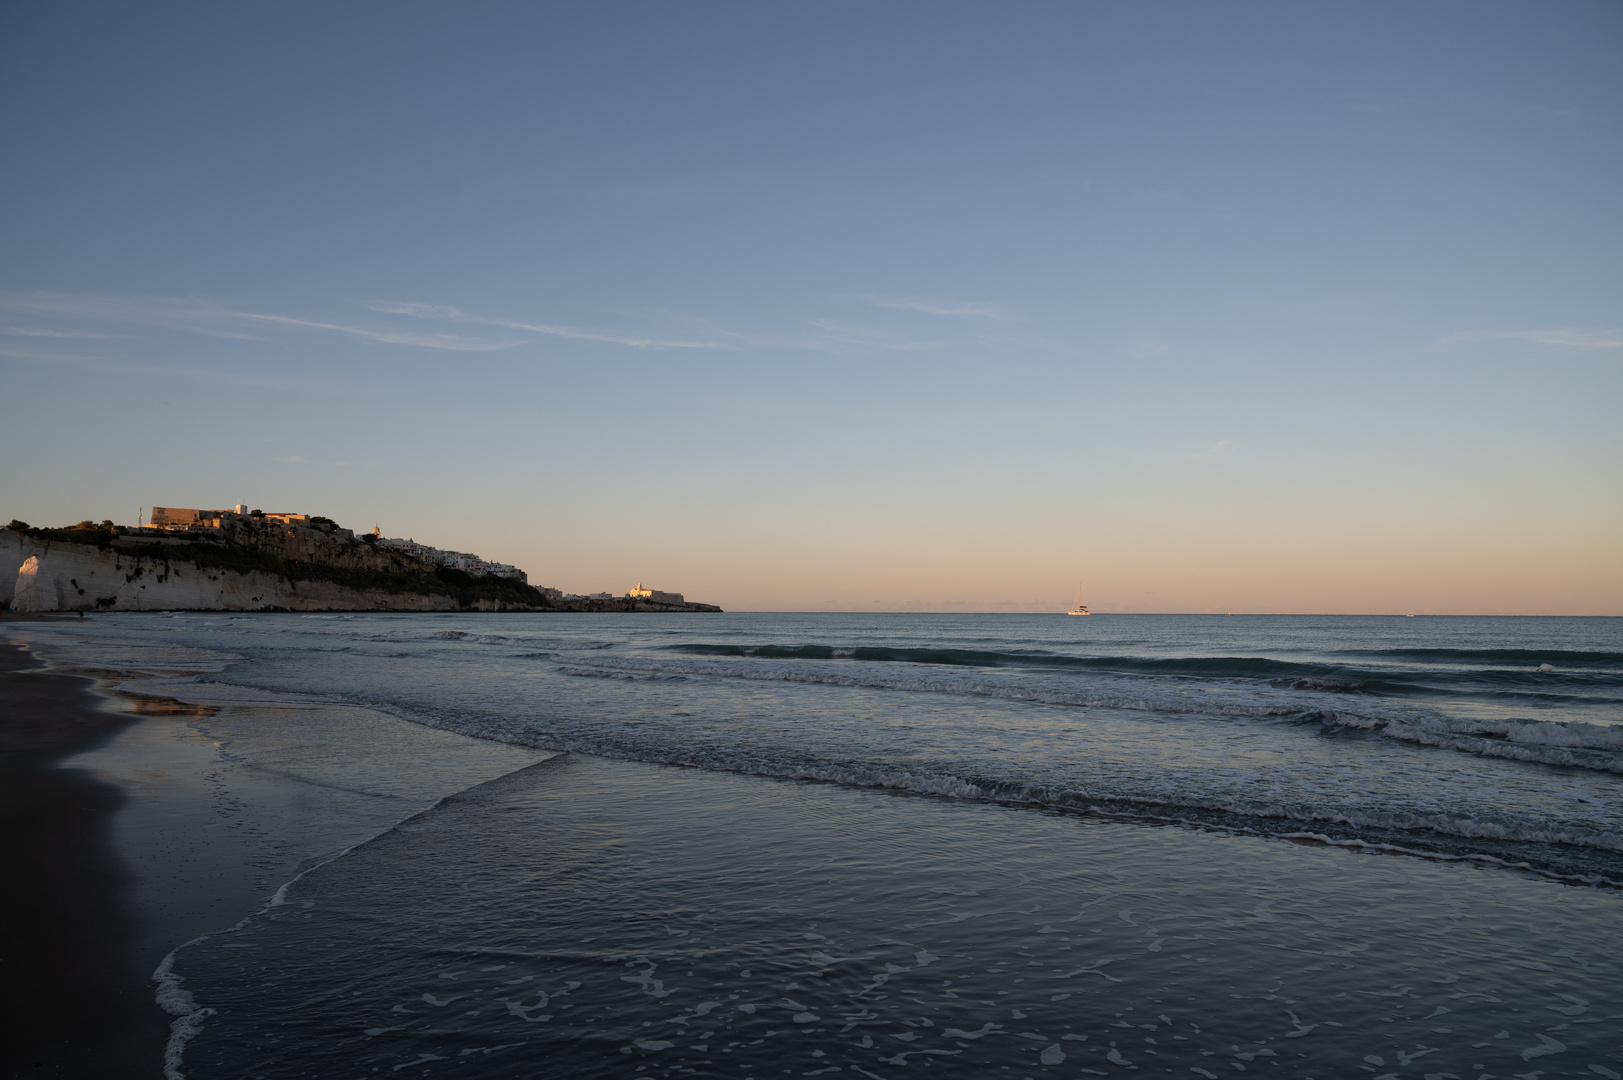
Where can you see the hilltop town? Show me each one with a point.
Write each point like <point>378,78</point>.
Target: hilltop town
<point>251,560</point>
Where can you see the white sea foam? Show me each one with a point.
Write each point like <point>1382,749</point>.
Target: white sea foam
<point>171,994</point>
<point>1567,743</point>
<point>177,1001</point>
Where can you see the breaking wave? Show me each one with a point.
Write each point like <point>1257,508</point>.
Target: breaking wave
<point>463,636</point>
<point>1410,830</point>
<point>1498,657</point>
<point>1464,751</point>
<point>1568,744</point>
<point>1502,669</point>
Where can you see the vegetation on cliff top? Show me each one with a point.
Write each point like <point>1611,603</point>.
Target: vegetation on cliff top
<point>85,532</point>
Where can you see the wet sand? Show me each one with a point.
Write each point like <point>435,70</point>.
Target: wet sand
<point>597,918</point>
<point>135,821</point>
<point>81,1002</point>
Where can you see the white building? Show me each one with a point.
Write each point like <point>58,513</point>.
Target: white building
<point>455,560</point>
<point>654,595</point>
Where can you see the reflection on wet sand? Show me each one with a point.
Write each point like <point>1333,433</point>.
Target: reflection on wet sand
<point>600,918</point>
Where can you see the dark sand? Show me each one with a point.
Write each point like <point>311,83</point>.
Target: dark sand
<point>81,1001</point>
<point>129,831</point>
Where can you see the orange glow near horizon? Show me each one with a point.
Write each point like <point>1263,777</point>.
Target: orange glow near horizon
<point>1509,574</point>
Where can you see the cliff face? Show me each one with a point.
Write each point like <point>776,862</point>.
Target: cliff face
<point>254,566</point>
<point>324,546</point>
<point>42,574</point>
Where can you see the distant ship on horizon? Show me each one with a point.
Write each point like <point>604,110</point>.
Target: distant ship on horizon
<point>1081,608</point>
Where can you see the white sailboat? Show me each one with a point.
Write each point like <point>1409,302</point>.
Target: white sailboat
<point>1081,608</point>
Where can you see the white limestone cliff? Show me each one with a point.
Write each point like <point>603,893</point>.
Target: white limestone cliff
<point>29,594</point>
<point>38,574</point>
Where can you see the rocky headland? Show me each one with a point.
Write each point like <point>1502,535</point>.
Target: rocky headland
<point>248,563</point>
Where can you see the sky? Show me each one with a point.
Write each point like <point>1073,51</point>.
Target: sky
<point>840,306</point>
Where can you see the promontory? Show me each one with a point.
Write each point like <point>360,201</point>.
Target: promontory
<point>242,560</point>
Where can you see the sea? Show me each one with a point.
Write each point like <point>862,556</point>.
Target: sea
<point>945,845</point>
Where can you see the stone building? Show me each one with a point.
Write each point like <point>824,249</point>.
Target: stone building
<point>655,595</point>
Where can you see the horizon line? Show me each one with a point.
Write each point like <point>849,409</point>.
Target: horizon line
<point>1212,614</point>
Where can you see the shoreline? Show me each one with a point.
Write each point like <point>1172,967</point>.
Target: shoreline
<point>85,999</point>
<point>1423,844</point>
<point>133,831</point>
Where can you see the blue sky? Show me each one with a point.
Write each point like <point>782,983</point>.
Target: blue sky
<point>909,306</point>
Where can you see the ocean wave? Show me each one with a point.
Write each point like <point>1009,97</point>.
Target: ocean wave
<point>1222,666</point>
<point>466,637</point>
<point>1498,657</point>
<point>1504,670</point>
<point>1139,697</point>
<point>1417,829</point>
<point>1568,744</point>
<point>1348,784</point>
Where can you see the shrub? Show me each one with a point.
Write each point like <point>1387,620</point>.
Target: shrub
<point>20,526</point>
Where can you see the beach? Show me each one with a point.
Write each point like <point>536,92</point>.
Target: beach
<point>130,833</point>
<point>443,847</point>
<point>755,542</point>
<point>82,1001</point>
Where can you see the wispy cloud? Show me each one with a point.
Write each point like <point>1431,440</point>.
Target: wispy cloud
<point>293,460</point>
<point>1582,340</point>
<point>204,317</point>
<point>930,306</point>
<point>460,330</point>
<point>455,342</point>
<point>18,354</point>
<point>28,331</point>
<point>1217,451</point>
<point>196,316</point>
<point>826,334</point>
<point>451,314</point>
